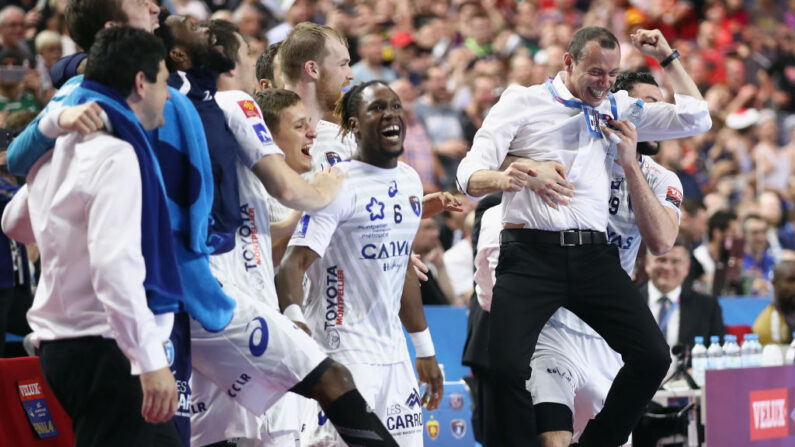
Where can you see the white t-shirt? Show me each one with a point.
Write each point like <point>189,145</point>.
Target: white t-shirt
<point>364,239</point>
<point>329,147</point>
<point>249,265</point>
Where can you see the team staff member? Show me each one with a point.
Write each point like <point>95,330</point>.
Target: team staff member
<point>102,348</point>
<point>555,256</point>
<point>356,252</point>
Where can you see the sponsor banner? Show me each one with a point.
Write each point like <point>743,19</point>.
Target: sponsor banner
<point>31,394</point>
<point>750,407</point>
<point>450,424</point>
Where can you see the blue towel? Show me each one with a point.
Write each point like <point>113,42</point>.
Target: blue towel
<point>162,283</point>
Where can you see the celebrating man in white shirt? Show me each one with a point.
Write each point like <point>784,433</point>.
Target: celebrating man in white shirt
<point>102,348</point>
<point>555,256</point>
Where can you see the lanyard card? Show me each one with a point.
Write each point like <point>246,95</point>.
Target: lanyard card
<point>591,120</point>
<point>33,402</point>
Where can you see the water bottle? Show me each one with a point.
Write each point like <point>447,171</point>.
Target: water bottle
<point>757,358</point>
<point>747,351</point>
<point>789,359</point>
<point>699,357</point>
<point>731,352</point>
<point>634,113</point>
<point>714,353</point>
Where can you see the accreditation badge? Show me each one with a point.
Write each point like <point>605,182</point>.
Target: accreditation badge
<point>591,120</point>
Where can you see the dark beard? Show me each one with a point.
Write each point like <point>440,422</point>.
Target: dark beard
<point>649,148</point>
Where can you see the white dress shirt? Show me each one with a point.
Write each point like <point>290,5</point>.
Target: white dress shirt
<point>672,330</point>
<point>83,206</point>
<point>529,122</point>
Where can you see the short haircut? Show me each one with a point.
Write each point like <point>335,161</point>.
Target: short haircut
<point>720,220</point>
<point>119,53</point>
<point>46,38</point>
<point>680,241</point>
<point>602,36</point>
<point>224,34</point>
<point>265,61</point>
<point>272,101</point>
<point>348,106</point>
<point>8,10</point>
<point>626,81</point>
<point>306,42</point>
<point>752,216</point>
<point>691,206</point>
<point>85,18</point>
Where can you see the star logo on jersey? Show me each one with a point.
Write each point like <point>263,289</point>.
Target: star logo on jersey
<point>262,133</point>
<point>458,427</point>
<point>249,109</point>
<point>376,209</point>
<point>333,158</point>
<point>393,189</point>
<point>414,399</point>
<point>416,205</point>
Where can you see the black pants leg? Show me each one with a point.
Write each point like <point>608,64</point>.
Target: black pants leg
<point>530,286</point>
<point>91,379</point>
<point>610,303</point>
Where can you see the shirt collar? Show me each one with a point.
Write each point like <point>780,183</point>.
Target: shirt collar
<point>565,94</point>
<point>655,294</point>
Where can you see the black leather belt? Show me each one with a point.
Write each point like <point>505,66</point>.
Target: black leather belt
<point>564,238</point>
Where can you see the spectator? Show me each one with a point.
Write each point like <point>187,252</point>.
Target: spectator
<point>484,95</point>
<point>442,122</point>
<point>681,312</point>
<point>777,321</point>
<point>48,50</point>
<point>758,261</point>
<point>371,65</point>
<point>13,96</point>
<point>417,148</point>
<point>295,12</point>
<point>12,32</point>
<point>719,259</point>
<point>437,289</point>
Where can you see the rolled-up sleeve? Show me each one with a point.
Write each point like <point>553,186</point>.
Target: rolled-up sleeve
<point>493,140</point>
<point>663,121</point>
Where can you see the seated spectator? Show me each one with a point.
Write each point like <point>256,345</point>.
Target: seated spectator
<point>12,32</point>
<point>371,65</point>
<point>13,96</point>
<point>758,261</point>
<point>777,321</point>
<point>681,312</point>
<point>719,258</point>
<point>48,51</point>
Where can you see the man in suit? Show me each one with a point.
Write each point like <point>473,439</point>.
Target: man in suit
<point>681,312</point>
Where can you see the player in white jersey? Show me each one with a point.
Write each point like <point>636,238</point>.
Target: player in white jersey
<point>573,367</point>
<point>356,252</point>
<point>260,354</point>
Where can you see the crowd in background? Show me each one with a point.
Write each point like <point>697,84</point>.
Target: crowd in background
<point>449,60</point>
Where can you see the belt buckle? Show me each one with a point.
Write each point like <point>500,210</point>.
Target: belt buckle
<point>563,238</point>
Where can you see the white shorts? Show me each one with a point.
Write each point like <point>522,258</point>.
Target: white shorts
<point>572,369</point>
<point>257,357</point>
<point>391,390</point>
<point>217,417</point>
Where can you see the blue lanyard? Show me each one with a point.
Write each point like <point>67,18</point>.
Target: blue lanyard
<point>592,117</point>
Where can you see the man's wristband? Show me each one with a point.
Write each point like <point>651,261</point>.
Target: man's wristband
<point>667,61</point>
<point>423,345</point>
<point>294,313</point>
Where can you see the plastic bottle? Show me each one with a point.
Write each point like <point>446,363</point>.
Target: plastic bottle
<point>699,357</point>
<point>747,351</point>
<point>789,359</point>
<point>757,358</point>
<point>714,353</point>
<point>731,352</point>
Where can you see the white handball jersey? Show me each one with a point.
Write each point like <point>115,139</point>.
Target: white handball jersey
<point>249,265</point>
<point>622,227</point>
<point>329,147</point>
<point>364,242</point>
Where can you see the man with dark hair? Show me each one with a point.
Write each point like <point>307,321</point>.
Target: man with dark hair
<point>84,17</point>
<point>554,255</point>
<point>720,274</point>
<point>267,68</point>
<point>96,332</point>
<point>758,261</point>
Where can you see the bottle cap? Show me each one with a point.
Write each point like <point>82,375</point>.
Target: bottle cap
<point>699,339</point>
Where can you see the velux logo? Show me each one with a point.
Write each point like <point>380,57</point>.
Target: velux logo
<point>768,413</point>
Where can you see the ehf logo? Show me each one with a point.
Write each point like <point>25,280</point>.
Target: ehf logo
<point>333,158</point>
<point>416,205</point>
<point>455,401</point>
<point>262,133</point>
<point>168,347</point>
<point>414,399</point>
<point>458,427</point>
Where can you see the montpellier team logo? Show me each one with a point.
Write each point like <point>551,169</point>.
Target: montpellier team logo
<point>416,205</point>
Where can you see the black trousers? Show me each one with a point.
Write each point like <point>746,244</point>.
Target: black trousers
<point>91,378</point>
<point>534,280</point>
